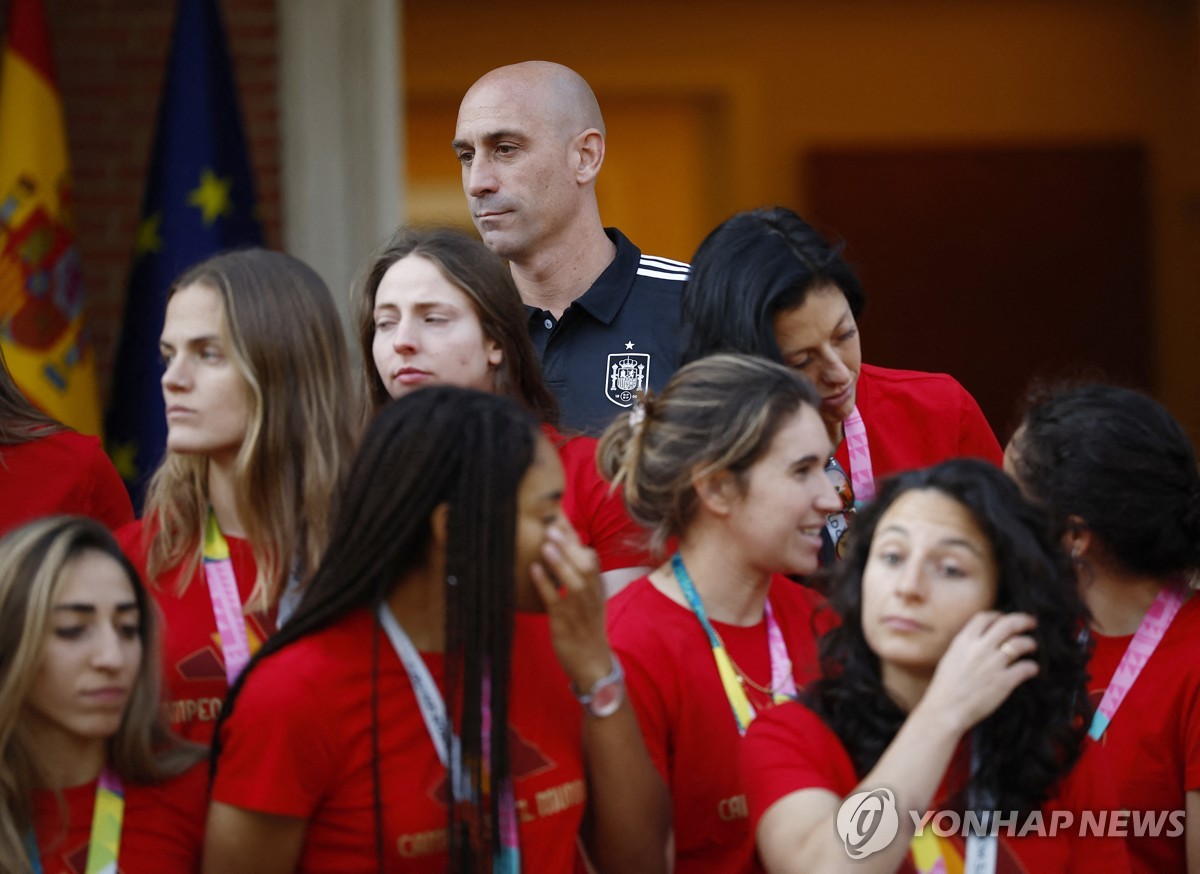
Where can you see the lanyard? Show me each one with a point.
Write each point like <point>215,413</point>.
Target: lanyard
<point>932,854</point>
<point>1145,640</point>
<point>226,603</point>
<point>104,844</point>
<point>782,682</point>
<point>862,474</point>
<point>437,724</point>
<point>861,480</point>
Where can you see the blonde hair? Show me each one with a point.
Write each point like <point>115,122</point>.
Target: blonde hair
<point>716,414</point>
<point>285,337</point>
<point>34,560</point>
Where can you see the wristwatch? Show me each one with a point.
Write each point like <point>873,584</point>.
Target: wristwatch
<point>606,695</point>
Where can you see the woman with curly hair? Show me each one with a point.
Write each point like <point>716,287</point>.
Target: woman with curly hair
<point>91,779</point>
<point>1117,475</point>
<point>955,682</point>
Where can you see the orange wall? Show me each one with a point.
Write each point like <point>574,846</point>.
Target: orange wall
<point>710,110</point>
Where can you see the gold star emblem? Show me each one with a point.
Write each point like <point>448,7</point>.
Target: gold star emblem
<point>212,197</point>
<point>124,459</point>
<point>148,237</point>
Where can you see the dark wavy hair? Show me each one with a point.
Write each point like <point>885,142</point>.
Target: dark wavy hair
<point>439,445</point>
<point>1036,735</point>
<point>486,280</point>
<point>1120,461</point>
<point>750,268</point>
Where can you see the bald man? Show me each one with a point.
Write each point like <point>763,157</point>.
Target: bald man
<point>604,317</point>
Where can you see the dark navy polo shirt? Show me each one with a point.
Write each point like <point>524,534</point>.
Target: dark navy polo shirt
<point>619,338</point>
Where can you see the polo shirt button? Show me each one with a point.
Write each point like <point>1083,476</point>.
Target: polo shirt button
<point>549,324</point>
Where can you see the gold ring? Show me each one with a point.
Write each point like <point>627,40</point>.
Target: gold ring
<point>1006,648</point>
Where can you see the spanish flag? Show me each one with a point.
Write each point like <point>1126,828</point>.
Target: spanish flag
<point>41,288</point>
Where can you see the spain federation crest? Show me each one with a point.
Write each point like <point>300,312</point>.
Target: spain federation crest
<point>628,373</point>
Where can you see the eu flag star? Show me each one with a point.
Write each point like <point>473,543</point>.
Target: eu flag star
<point>212,197</point>
<point>148,237</point>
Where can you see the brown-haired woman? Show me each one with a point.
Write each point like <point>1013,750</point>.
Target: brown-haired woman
<point>437,307</point>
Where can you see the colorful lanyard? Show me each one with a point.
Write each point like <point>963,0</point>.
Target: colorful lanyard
<point>226,603</point>
<point>932,854</point>
<point>1145,640</point>
<point>782,683</point>
<point>433,711</point>
<point>104,844</point>
<point>862,474</point>
<point>861,478</point>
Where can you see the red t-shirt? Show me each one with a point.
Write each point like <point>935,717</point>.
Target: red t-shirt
<point>1153,741</point>
<point>685,716</point>
<point>163,828</point>
<point>791,748</point>
<point>63,472</point>
<point>194,684</point>
<point>597,515</point>
<point>298,743</point>
<point>916,419</point>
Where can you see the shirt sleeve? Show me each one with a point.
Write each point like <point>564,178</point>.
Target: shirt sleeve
<point>276,750</point>
<point>788,748</point>
<point>107,498</point>
<point>975,436</point>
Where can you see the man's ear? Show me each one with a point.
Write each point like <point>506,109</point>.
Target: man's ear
<point>588,155</point>
<point>716,491</point>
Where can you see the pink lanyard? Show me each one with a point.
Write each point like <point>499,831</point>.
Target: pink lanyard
<point>226,602</point>
<point>862,475</point>
<point>1145,640</point>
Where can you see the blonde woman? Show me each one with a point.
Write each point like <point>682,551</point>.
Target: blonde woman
<point>260,428</point>
<point>729,462</point>
<point>90,776</point>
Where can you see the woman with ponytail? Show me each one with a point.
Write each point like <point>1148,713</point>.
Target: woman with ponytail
<point>1117,475</point>
<point>416,713</point>
<point>729,464</point>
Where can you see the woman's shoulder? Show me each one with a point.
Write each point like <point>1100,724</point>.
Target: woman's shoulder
<point>921,384</point>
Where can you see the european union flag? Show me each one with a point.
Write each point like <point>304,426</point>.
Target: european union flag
<point>199,201</point>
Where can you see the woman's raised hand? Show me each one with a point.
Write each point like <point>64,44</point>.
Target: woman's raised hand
<point>568,579</point>
<point>983,664</point>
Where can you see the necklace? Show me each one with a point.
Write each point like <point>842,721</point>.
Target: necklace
<point>744,679</point>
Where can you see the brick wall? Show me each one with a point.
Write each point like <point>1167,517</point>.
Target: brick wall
<point>110,58</point>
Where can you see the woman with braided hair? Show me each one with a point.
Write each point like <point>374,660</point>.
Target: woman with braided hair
<point>416,713</point>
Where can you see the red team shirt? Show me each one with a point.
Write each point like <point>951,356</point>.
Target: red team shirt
<point>791,748</point>
<point>163,828</point>
<point>1153,742</point>
<point>915,419</point>
<point>194,684</point>
<point>298,743</point>
<point>597,515</point>
<point>686,720</point>
<point>63,472</point>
